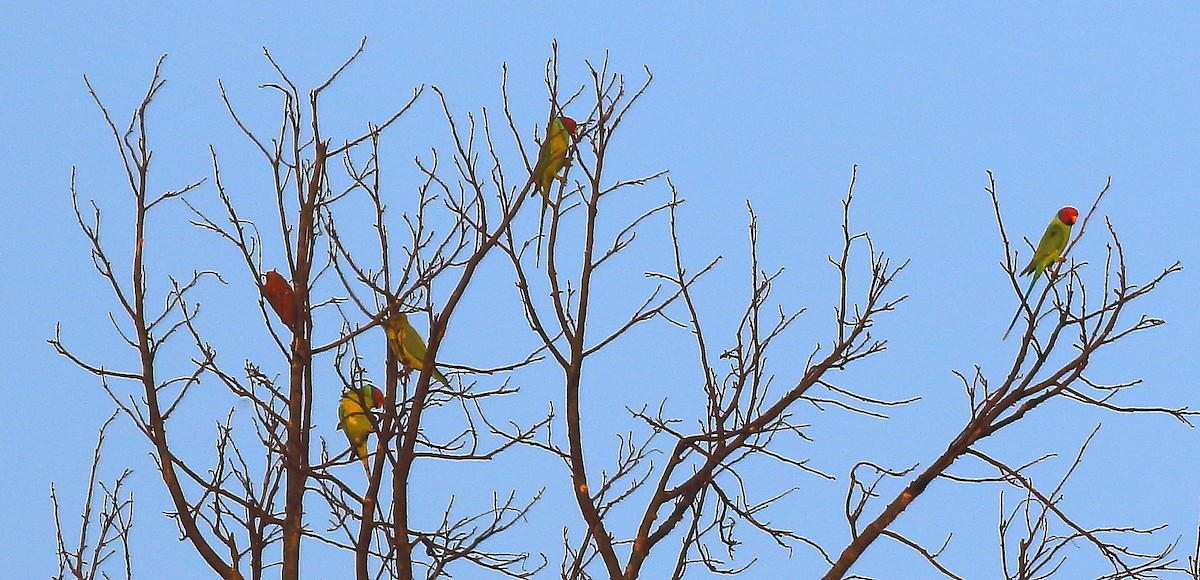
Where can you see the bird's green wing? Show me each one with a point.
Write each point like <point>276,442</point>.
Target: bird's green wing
<point>415,348</point>
<point>1049,249</point>
<point>342,411</point>
<point>552,156</point>
<point>1054,241</point>
<point>413,345</point>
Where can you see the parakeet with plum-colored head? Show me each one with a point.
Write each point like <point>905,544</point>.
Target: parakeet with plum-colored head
<point>552,157</point>
<point>554,153</point>
<point>1049,252</point>
<point>353,418</point>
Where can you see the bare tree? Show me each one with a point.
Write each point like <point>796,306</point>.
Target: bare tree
<point>242,520</point>
<point>249,509</point>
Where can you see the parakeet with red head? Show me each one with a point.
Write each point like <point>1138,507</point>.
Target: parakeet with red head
<point>280,296</point>
<point>552,157</point>
<point>1049,252</point>
<point>353,418</point>
<point>554,153</point>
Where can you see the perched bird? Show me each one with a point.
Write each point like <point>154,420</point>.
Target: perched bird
<point>353,419</point>
<point>1049,252</point>
<point>554,153</point>
<point>407,345</point>
<point>280,296</point>
<point>552,157</point>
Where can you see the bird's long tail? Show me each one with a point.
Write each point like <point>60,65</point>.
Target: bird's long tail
<point>1024,301</point>
<point>440,377</point>
<point>361,451</point>
<point>541,225</point>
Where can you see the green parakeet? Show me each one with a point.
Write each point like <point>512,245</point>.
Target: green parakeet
<point>553,154</point>
<point>552,157</point>
<point>407,345</point>
<point>1049,252</point>
<point>353,419</point>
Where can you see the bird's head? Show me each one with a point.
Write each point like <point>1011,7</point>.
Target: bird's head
<point>397,320</point>
<point>569,124</point>
<point>1068,215</point>
<point>375,394</point>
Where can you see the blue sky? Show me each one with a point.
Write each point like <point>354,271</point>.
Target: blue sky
<point>774,104</point>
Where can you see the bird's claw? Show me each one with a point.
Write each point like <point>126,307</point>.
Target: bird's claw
<point>1052,270</point>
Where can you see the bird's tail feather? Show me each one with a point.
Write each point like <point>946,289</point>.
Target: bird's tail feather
<point>362,454</point>
<point>541,225</point>
<point>1024,301</point>
<point>440,377</point>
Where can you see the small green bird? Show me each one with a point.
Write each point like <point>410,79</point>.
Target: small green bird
<point>552,157</point>
<point>554,153</point>
<point>354,421</point>
<point>407,345</point>
<point>1049,252</point>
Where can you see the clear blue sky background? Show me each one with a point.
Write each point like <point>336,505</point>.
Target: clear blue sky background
<point>774,104</point>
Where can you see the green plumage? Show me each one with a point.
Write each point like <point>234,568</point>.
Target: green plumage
<point>1049,252</point>
<point>407,345</point>
<point>552,158</point>
<point>354,421</point>
<point>553,155</point>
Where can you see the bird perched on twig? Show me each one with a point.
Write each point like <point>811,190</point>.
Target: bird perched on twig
<point>354,419</point>
<point>407,345</point>
<point>1049,252</point>
<point>552,157</point>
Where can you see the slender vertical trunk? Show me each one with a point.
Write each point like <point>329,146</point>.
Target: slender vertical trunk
<point>300,386</point>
